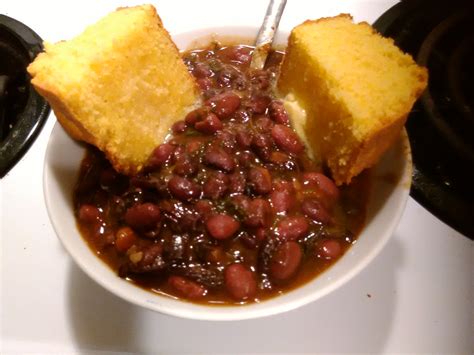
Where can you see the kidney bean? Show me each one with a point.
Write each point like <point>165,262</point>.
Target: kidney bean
<point>252,240</point>
<point>286,139</point>
<point>258,104</point>
<point>262,144</point>
<point>258,213</point>
<point>226,140</point>
<point>203,208</point>
<point>237,183</point>
<point>312,208</point>
<point>204,83</point>
<point>243,138</point>
<point>222,226</point>
<point>161,154</point>
<point>183,188</point>
<point>202,70</point>
<point>196,115</point>
<point>323,183</point>
<point>283,197</point>
<point>279,158</point>
<point>178,151</point>
<point>240,282</point>
<point>219,158</point>
<point>329,249</point>
<point>187,288</point>
<point>209,125</point>
<point>179,127</point>
<point>125,237</point>
<point>215,186</point>
<point>292,227</point>
<point>239,54</point>
<point>240,203</point>
<point>263,124</point>
<point>225,104</point>
<point>88,214</point>
<point>285,261</point>
<point>278,113</point>
<point>246,159</point>
<point>185,166</point>
<point>143,216</point>
<point>260,180</point>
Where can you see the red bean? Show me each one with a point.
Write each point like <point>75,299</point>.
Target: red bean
<point>219,158</point>
<point>185,166</point>
<point>286,139</point>
<point>226,140</point>
<point>258,213</point>
<point>202,70</point>
<point>209,125</point>
<point>225,104</point>
<point>187,288</point>
<point>243,138</point>
<point>194,145</point>
<point>330,249</point>
<point>237,183</point>
<point>204,83</point>
<point>183,188</point>
<point>215,186</point>
<point>240,282</point>
<point>222,226</point>
<point>88,214</point>
<point>143,216</point>
<point>262,145</point>
<point>203,208</point>
<point>161,154</point>
<point>316,211</point>
<point>246,159</point>
<point>125,237</point>
<point>285,261</point>
<point>196,115</point>
<point>254,239</point>
<point>179,150</point>
<point>259,104</point>
<point>241,203</point>
<point>278,113</point>
<point>260,180</point>
<point>179,127</point>
<point>323,183</point>
<point>239,54</point>
<point>292,228</point>
<point>283,197</point>
<point>263,124</point>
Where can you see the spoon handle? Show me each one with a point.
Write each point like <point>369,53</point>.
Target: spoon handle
<point>265,36</point>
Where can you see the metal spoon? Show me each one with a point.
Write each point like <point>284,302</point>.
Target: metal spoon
<point>265,36</point>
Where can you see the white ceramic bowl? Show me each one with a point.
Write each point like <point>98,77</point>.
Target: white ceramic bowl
<point>389,192</point>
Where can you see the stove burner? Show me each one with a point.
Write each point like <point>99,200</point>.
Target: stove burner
<point>440,35</point>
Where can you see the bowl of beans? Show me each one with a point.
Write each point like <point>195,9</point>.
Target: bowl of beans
<point>231,218</point>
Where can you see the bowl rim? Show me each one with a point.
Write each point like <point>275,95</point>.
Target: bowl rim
<point>167,305</point>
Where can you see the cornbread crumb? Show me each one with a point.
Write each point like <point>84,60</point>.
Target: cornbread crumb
<point>119,85</point>
<point>356,87</point>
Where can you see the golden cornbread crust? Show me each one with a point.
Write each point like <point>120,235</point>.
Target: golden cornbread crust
<point>119,85</point>
<point>356,87</point>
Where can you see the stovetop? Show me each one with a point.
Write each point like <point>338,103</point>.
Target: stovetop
<point>440,36</point>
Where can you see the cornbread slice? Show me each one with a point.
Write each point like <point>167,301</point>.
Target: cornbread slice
<point>119,85</point>
<point>356,87</point>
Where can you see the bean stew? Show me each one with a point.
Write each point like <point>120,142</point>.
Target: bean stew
<point>230,209</point>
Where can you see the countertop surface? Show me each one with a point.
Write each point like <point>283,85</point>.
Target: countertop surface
<point>416,296</point>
